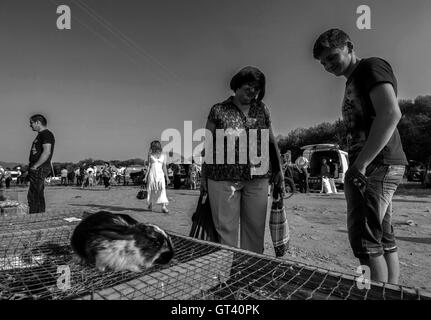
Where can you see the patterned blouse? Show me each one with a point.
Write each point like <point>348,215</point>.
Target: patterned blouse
<point>236,125</point>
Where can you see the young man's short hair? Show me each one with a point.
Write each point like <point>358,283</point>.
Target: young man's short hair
<point>39,117</point>
<point>332,38</point>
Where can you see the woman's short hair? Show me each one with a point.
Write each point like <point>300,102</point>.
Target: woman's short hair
<point>249,75</point>
<point>332,38</point>
<point>155,146</point>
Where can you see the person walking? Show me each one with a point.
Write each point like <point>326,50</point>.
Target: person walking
<point>40,165</point>
<point>107,175</point>
<point>156,176</point>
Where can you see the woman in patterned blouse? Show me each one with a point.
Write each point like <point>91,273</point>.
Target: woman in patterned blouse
<point>237,175</point>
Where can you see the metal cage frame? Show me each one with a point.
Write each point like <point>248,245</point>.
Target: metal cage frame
<point>37,262</point>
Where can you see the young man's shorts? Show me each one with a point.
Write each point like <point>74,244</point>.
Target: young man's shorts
<point>369,210</point>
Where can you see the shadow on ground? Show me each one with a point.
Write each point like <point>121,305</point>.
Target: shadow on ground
<point>110,208</point>
<point>415,240</point>
<point>408,239</point>
<point>411,201</point>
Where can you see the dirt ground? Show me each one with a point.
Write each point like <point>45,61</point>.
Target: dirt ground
<point>317,223</point>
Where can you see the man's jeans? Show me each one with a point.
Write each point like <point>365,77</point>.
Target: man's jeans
<point>369,210</point>
<point>35,196</point>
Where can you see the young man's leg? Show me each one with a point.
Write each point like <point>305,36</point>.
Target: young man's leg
<point>42,197</point>
<point>254,206</point>
<point>390,247</point>
<point>44,172</point>
<point>361,221</point>
<point>393,267</point>
<point>225,197</point>
<point>384,183</point>
<point>34,190</point>
<point>378,268</point>
<point>370,230</point>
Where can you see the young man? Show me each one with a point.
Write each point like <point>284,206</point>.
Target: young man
<point>40,167</point>
<point>377,160</point>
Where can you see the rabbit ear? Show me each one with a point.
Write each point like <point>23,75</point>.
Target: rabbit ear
<point>127,218</point>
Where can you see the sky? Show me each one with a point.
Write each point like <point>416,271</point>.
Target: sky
<point>128,70</point>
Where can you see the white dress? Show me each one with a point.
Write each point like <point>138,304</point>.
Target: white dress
<point>156,185</point>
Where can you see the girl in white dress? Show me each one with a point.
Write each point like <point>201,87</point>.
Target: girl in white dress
<point>155,177</point>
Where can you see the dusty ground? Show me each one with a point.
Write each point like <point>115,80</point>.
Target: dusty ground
<point>317,224</point>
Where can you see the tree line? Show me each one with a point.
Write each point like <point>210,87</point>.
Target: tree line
<point>414,128</point>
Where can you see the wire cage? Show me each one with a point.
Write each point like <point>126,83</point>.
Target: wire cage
<point>37,262</point>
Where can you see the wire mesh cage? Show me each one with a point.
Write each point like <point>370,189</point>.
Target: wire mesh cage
<point>37,262</point>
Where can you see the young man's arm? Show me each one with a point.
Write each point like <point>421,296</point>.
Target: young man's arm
<point>388,114</point>
<point>43,157</point>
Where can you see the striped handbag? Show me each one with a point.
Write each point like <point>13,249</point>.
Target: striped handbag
<point>278,224</point>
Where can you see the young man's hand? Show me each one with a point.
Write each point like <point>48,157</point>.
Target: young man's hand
<point>204,185</point>
<point>357,177</point>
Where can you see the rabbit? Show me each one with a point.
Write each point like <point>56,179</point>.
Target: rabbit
<point>119,242</point>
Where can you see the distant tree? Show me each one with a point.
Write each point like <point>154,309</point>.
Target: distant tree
<point>414,129</point>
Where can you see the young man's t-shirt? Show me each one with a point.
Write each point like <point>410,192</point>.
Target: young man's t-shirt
<point>359,111</point>
<point>43,137</point>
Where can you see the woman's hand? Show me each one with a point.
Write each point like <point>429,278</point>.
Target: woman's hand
<point>278,181</point>
<point>204,185</point>
<point>167,181</point>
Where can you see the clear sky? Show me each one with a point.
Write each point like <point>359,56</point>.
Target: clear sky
<point>127,70</point>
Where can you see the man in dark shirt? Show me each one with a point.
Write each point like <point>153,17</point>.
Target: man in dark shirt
<point>371,112</point>
<point>40,166</point>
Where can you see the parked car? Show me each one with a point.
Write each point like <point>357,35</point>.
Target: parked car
<point>14,175</point>
<point>53,180</point>
<point>337,160</point>
<point>426,180</point>
<point>415,171</point>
